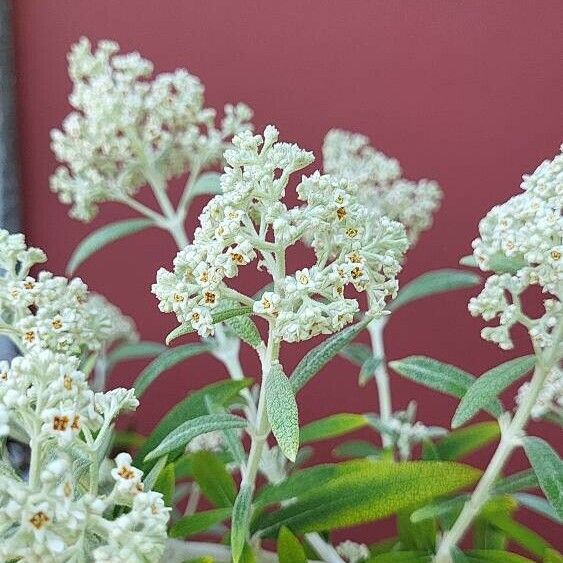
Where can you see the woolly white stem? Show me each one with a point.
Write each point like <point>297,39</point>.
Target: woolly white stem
<point>375,329</point>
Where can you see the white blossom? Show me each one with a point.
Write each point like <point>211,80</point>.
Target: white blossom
<point>550,398</point>
<point>52,312</point>
<point>249,222</point>
<point>382,189</point>
<point>521,242</point>
<point>353,552</point>
<point>126,125</point>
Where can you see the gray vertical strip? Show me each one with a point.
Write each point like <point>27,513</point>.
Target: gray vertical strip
<point>9,177</point>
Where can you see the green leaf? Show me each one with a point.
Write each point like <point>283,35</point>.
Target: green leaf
<point>486,536</point>
<point>495,556</point>
<point>153,474</point>
<point>487,387</point>
<point>186,432</point>
<point>431,283</point>
<point>245,328</point>
<point>416,535</point>
<point>240,521</point>
<point>281,408</point>
<point>319,356</point>
<point>401,557</point>
<point>231,437</point>
<point>165,484</point>
<point>438,508</point>
<point>357,448</point>
<point>549,471</point>
<point>102,237</point>
<point>521,535</point>
<point>192,406</point>
<point>468,261</point>
<point>440,377</point>
<point>165,361</point>
<point>367,370</point>
<point>200,522</point>
<point>538,505</point>
<point>300,482</point>
<point>356,353</point>
<point>332,427</point>
<point>517,482</point>
<point>207,183</point>
<point>363,491</point>
<point>461,443</point>
<point>552,556</point>
<point>290,549</point>
<point>215,482</point>
<point>134,351</point>
<point>217,317</point>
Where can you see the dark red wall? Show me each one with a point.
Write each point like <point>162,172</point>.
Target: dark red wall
<point>468,93</point>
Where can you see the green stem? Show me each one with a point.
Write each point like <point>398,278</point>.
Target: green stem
<point>510,440</point>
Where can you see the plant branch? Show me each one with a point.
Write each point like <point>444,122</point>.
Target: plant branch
<point>510,439</point>
<point>375,329</point>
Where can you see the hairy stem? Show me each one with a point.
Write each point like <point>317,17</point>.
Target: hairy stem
<point>375,329</point>
<point>511,439</point>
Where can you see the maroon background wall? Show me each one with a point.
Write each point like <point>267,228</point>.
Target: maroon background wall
<point>468,93</point>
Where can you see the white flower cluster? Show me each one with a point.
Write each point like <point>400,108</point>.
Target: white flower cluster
<point>52,312</point>
<point>353,552</point>
<point>521,241</point>
<point>56,523</point>
<point>126,125</point>
<point>350,156</point>
<point>250,219</point>
<point>45,399</point>
<point>550,398</point>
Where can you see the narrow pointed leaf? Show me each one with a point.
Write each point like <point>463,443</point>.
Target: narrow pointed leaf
<point>538,505</point>
<point>400,557</point>
<point>207,183</point>
<point>357,448</point>
<point>186,432</point>
<point>495,556</point>
<point>240,521</point>
<point>487,387</point>
<point>153,474</point>
<point>520,481</point>
<point>367,371</point>
<point>282,411</point>
<point>192,406</point>
<point>217,317</point>
<point>440,377</point>
<point>332,427</point>
<point>521,535</point>
<point>549,471</point>
<point>199,522</point>
<point>134,351</point>
<point>104,236</point>
<point>215,482</point>
<point>165,361</point>
<point>356,353</point>
<point>439,508</point>
<point>243,326</point>
<point>431,283</point>
<point>165,484</point>
<point>367,491</point>
<point>465,441</point>
<point>416,535</point>
<point>290,549</point>
<point>468,261</point>
<point>318,357</point>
